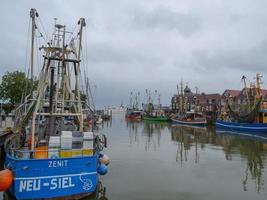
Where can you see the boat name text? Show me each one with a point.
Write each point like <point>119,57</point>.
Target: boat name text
<point>58,163</point>
<point>54,183</point>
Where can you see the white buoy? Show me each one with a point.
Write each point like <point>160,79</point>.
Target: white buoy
<point>104,159</point>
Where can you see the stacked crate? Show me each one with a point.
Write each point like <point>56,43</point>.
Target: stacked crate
<point>41,150</point>
<point>88,144</point>
<point>66,144</point>
<point>53,147</point>
<point>77,143</point>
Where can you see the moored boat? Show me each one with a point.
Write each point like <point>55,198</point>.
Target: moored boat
<point>190,118</point>
<point>253,119</point>
<point>133,114</point>
<point>53,153</point>
<point>242,127</point>
<point>154,112</point>
<point>189,122</point>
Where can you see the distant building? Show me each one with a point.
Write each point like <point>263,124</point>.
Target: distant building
<point>197,102</point>
<point>238,97</point>
<point>208,102</point>
<point>229,96</point>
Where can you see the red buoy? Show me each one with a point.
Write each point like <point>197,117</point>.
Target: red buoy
<point>6,179</point>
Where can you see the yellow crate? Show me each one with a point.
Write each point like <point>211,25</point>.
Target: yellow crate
<point>41,152</point>
<point>87,152</point>
<point>76,152</point>
<point>65,153</point>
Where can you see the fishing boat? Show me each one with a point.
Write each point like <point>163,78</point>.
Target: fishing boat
<point>242,127</point>
<point>253,119</point>
<point>153,112</point>
<point>133,112</point>
<point>189,118</point>
<point>52,152</point>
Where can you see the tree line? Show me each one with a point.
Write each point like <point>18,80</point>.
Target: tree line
<point>13,87</point>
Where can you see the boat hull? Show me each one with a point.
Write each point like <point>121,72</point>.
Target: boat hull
<point>134,117</point>
<point>155,118</point>
<point>191,122</point>
<point>242,127</point>
<point>51,178</point>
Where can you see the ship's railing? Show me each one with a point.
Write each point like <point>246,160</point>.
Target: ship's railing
<point>50,153</point>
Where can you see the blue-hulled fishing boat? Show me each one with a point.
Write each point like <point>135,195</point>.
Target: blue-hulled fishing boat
<point>53,152</point>
<point>243,127</point>
<point>252,121</point>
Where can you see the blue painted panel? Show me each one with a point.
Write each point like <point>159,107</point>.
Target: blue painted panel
<point>46,178</point>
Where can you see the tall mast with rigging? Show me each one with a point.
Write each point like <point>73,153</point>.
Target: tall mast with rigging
<point>33,14</point>
<point>78,72</point>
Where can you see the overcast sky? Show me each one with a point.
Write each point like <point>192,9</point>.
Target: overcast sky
<point>133,45</point>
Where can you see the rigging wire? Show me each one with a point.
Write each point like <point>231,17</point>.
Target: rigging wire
<point>26,62</point>
<point>85,74</point>
<point>86,70</point>
<point>27,49</point>
<point>82,81</point>
<point>86,53</point>
<point>41,35</point>
<point>42,26</point>
<point>72,32</point>
<point>38,56</point>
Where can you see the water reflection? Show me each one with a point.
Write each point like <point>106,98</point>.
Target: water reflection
<point>100,194</point>
<point>251,150</point>
<point>133,127</point>
<point>150,131</point>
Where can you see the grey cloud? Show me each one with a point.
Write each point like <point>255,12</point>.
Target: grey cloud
<point>165,18</point>
<point>134,45</point>
<point>118,53</point>
<point>251,59</point>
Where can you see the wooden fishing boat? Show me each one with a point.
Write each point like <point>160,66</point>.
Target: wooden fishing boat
<point>52,152</point>
<point>190,118</point>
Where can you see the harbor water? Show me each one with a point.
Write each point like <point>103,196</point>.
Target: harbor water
<point>161,161</point>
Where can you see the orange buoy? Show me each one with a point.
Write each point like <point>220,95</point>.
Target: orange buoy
<point>6,179</point>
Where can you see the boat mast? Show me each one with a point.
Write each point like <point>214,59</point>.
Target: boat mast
<point>159,107</point>
<point>82,25</point>
<point>245,85</point>
<point>33,14</point>
<point>178,93</point>
<point>131,101</point>
<point>182,99</point>
<point>136,100</point>
<point>258,85</point>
